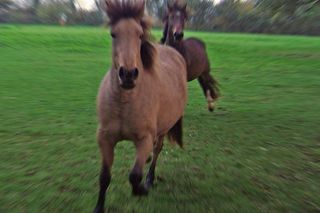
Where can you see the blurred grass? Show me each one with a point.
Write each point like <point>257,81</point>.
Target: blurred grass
<point>258,152</point>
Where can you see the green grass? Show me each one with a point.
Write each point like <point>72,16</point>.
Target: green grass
<point>258,152</point>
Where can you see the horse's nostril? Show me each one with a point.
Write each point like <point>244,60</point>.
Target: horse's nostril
<point>122,73</point>
<point>128,75</point>
<point>178,36</point>
<point>135,73</point>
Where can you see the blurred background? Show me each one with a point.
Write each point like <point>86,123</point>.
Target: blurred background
<point>257,16</point>
<point>259,151</point>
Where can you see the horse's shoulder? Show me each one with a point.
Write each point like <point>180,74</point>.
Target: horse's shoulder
<point>168,53</point>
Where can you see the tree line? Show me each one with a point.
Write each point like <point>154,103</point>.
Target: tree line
<point>254,16</point>
<point>49,12</point>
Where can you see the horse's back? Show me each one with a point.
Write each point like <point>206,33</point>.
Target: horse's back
<point>196,57</point>
<point>169,55</point>
<point>172,64</point>
<point>195,41</point>
<point>173,87</point>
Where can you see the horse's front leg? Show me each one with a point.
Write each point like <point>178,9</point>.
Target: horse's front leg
<point>107,154</point>
<point>143,150</point>
<point>156,151</point>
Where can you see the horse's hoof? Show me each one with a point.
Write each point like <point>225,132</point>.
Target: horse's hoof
<point>211,107</point>
<point>98,209</point>
<point>140,191</point>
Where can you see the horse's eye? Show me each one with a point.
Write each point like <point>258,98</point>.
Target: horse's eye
<point>113,35</point>
<point>141,36</point>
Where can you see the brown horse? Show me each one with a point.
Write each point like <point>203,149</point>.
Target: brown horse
<point>192,49</point>
<point>142,98</point>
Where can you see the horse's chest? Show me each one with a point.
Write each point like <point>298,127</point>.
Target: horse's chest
<point>128,123</point>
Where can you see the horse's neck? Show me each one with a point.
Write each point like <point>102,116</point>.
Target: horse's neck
<point>179,46</point>
<point>168,38</point>
<point>164,34</point>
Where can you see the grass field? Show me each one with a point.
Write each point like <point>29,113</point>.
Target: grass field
<point>258,152</point>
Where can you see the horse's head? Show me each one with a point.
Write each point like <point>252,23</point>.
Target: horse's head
<point>132,52</point>
<point>176,18</point>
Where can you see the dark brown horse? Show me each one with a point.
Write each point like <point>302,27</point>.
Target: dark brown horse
<point>142,98</point>
<point>192,49</point>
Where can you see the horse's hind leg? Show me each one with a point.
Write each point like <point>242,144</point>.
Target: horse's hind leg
<point>107,152</point>
<point>206,90</point>
<point>143,149</point>
<point>210,89</point>
<point>156,151</point>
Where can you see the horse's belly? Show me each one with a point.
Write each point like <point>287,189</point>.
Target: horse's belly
<point>170,112</point>
<point>193,74</point>
<point>195,69</point>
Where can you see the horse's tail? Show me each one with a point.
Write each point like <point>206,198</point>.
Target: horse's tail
<point>175,133</point>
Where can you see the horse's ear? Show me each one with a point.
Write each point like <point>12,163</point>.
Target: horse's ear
<point>169,6</point>
<point>142,7</point>
<point>139,7</point>
<point>184,7</point>
<point>147,52</point>
<point>107,2</point>
<point>109,7</point>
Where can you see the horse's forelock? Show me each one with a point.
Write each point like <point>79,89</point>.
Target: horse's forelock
<point>120,9</point>
<point>176,6</point>
<point>124,9</point>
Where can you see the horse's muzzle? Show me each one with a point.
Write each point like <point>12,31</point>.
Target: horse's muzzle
<point>178,36</point>
<point>128,77</point>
